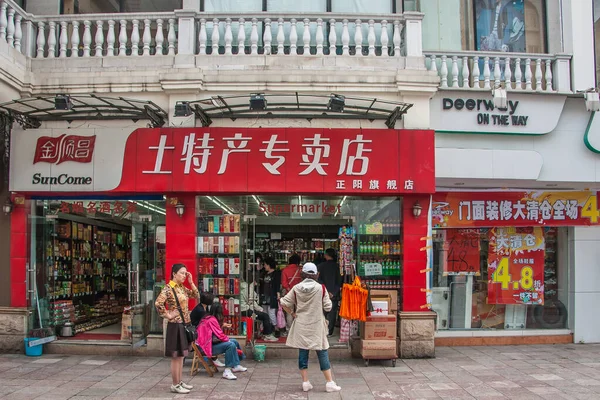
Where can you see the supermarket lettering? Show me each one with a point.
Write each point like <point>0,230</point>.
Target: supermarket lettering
<point>277,209</point>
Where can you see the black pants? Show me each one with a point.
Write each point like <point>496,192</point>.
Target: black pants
<point>332,315</point>
<point>262,317</point>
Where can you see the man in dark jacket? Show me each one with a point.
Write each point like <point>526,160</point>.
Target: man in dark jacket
<point>329,275</point>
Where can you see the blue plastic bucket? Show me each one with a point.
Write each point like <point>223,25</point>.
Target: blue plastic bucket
<point>32,351</point>
<point>259,352</point>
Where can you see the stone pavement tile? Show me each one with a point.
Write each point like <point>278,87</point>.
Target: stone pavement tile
<point>454,394</point>
<point>390,394</point>
<point>218,395</point>
<point>421,394</point>
<point>356,396</point>
<point>95,392</point>
<point>483,391</point>
<point>290,396</point>
<point>438,386</point>
<point>258,396</point>
<point>546,377</point>
<point>505,384</point>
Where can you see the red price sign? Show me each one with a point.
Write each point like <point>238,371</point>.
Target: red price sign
<point>516,266</point>
<point>462,252</point>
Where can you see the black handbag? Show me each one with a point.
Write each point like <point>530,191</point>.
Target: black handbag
<point>190,331</point>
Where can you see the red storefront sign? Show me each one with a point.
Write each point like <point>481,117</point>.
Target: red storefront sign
<point>273,160</point>
<point>486,209</point>
<point>462,252</point>
<point>64,148</point>
<point>516,266</point>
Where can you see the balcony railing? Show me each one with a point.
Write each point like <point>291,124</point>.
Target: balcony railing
<point>513,71</point>
<point>185,32</point>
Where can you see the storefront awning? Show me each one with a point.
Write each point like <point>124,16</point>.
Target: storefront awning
<point>30,112</point>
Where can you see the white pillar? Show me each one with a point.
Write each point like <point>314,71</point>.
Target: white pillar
<point>413,34</point>
<point>191,5</point>
<point>186,35</point>
<point>578,35</point>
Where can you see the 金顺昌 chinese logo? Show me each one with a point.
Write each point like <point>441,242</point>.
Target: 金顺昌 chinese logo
<point>64,148</point>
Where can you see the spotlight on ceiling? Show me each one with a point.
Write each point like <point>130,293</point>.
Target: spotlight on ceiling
<point>258,101</point>
<point>62,102</point>
<point>182,109</point>
<point>336,103</point>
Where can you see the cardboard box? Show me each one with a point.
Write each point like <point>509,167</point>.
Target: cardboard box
<point>126,321</point>
<point>378,349</point>
<point>380,307</point>
<point>379,328</point>
<point>393,295</point>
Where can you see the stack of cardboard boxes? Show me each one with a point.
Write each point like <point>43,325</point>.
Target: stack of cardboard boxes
<point>378,335</point>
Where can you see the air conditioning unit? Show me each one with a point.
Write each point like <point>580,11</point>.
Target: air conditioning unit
<point>440,303</point>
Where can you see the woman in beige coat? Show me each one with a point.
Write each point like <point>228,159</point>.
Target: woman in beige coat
<point>306,303</point>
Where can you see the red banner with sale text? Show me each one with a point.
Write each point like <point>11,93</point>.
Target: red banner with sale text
<point>462,252</point>
<point>516,266</point>
<point>489,209</point>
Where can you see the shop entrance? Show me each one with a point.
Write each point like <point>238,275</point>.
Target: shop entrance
<point>95,266</point>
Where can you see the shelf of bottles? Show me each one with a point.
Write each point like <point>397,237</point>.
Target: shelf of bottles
<point>307,249</point>
<point>87,274</point>
<point>379,253</point>
<point>218,252</point>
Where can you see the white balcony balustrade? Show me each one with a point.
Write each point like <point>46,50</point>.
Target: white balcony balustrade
<point>513,71</point>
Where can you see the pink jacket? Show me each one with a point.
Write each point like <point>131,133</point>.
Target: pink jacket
<point>207,326</point>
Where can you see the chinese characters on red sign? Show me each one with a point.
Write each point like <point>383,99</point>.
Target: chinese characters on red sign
<point>116,208</point>
<point>516,266</point>
<point>462,252</point>
<point>483,209</point>
<point>56,150</point>
<point>281,160</point>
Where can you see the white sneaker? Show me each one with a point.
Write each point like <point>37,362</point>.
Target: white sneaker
<point>179,389</point>
<point>270,338</point>
<point>227,374</point>
<point>239,368</point>
<point>306,386</point>
<point>186,386</point>
<point>332,387</point>
<point>218,363</point>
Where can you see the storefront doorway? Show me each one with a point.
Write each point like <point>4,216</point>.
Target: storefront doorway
<point>96,266</point>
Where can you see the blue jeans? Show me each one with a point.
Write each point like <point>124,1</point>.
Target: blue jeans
<point>230,349</point>
<point>321,354</point>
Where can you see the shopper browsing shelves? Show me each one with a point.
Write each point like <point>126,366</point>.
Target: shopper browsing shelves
<point>270,289</point>
<point>249,306</point>
<point>290,276</point>
<point>329,275</point>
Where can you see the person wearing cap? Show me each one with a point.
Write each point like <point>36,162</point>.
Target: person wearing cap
<point>306,302</point>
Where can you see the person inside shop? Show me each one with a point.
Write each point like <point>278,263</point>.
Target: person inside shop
<point>206,299</point>
<point>329,275</point>
<point>249,306</point>
<point>290,276</point>
<point>212,340</point>
<point>270,284</point>
<point>306,303</point>
<point>172,304</point>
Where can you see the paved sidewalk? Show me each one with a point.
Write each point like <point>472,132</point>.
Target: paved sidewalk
<point>513,372</point>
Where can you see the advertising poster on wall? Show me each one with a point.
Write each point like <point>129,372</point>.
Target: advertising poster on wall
<point>516,266</point>
<point>462,252</point>
<point>500,25</point>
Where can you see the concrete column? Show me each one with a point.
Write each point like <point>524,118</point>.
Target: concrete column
<point>578,37</point>
<point>43,7</point>
<point>191,5</point>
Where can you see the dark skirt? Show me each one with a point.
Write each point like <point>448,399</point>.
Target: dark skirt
<point>176,344</point>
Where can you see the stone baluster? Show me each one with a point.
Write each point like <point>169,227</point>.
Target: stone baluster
<point>146,38</point>
<point>3,20</point>
<point>433,64</point>
<point>159,38</point>
<point>110,38</point>
<point>123,38</point>
<point>228,37</point>
<point>63,39</point>
<point>548,76</point>
<point>319,37</point>
<point>51,39</point>
<point>358,37</point>
<point>254,38</point>
<point>444,72</point>
<point>99,39</point>
<point>135,38</point>
<point>87,38</point>
<point>215,37</point>
<point>371,37</point>
<point>518,75</point>
<point>280,37</point>
<point>384,39</point>
<point>41,40</point>
<point>486,73</point>
<point>202,37</point>
<point>465,72</point>
<point>171,37</point>
<point>242,38</point>
<point>75,39</point>
<point>306,37</point>
<point>528,74</point>
<point>332,38</point>
<point>454,71</point>
<point>397,38</point>
<point>507,74</point>
<point>10,27</point>
<point>293,38</point>
<point>267,37</point>
<point>538,75</point>
<point>18,33</point>
<point>476,73</point>
<point>345,38</point>
<point>497,72</point>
